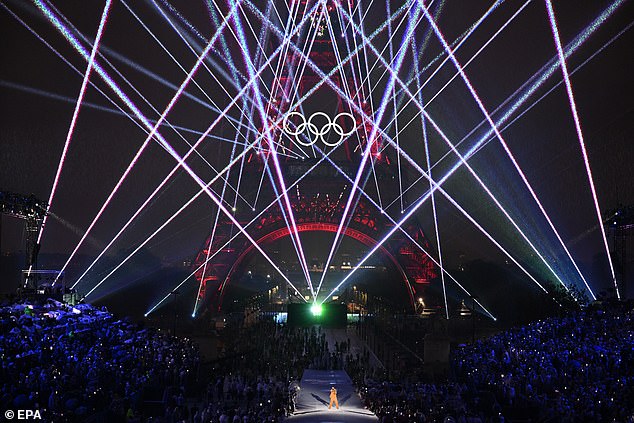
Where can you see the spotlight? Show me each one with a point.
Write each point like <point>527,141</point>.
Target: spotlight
<point>316,309</point>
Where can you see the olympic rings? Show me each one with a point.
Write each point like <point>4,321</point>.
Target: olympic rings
<point>314,131</point>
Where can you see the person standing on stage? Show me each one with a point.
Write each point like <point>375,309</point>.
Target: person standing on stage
<point>333,398</point>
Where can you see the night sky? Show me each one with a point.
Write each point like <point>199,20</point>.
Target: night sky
<point>38,93</point>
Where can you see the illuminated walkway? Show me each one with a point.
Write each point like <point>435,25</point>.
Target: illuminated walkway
<point>314,397</point>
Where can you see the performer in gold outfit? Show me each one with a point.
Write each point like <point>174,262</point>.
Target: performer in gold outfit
<point>333,398</point>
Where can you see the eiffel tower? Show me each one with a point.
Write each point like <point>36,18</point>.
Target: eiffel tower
<point>318,200</point>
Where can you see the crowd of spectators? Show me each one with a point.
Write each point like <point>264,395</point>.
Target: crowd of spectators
<point>79,363</point>
<point>257,380</point>
<point>578,367</point>
<point>565,369</point>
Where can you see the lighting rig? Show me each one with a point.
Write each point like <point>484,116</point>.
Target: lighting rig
<point>32,210</point>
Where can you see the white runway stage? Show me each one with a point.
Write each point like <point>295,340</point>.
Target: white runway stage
<point>314,397</point>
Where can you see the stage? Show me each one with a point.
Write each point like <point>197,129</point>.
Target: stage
<point>314,397</point>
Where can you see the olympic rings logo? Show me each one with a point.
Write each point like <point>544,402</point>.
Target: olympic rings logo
<point>314,132</point>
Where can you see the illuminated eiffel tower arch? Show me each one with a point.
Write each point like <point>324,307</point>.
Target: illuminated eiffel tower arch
<point>317,201</point>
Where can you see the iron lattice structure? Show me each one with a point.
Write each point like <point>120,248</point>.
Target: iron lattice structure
<point>415,268</point>
<point>315,208</point>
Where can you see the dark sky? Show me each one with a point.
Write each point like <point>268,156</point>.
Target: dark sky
<point>33,127</point>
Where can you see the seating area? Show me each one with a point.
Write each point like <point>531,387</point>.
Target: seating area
<point>79,362</point>
<point>579,367</point>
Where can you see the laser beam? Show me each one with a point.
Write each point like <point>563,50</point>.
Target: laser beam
<point>73,122</point>
<point>586,161</point>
